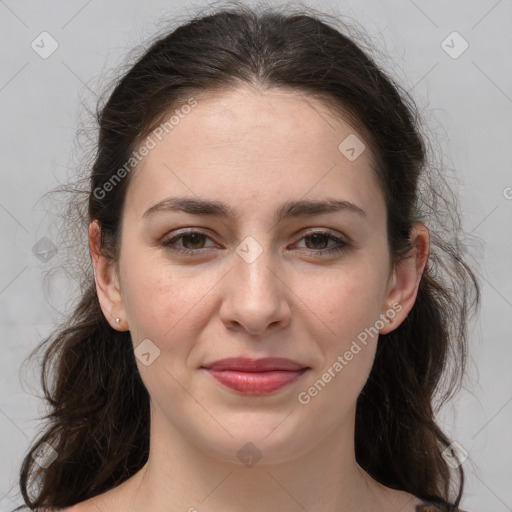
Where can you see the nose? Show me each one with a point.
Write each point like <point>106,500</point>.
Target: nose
<point>256,296</point>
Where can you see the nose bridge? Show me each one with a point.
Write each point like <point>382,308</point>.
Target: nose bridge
<point>253,269</point>
<point>255,297</point>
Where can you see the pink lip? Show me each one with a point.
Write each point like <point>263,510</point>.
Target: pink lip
<point>255,376</point>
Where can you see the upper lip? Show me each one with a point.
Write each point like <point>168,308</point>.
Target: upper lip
<point>265,364</point>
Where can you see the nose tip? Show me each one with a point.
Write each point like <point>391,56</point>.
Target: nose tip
<point>254,300</point>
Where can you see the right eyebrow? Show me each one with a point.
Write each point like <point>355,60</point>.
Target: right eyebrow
<point>288,209</point>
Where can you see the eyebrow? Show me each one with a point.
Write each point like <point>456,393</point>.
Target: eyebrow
<point>287,210</point>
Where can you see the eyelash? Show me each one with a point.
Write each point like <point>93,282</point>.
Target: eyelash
<point>169,244</point>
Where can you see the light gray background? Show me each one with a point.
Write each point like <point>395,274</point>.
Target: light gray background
<point>470,104</point>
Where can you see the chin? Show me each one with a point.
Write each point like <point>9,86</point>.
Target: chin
<point>257,438</point>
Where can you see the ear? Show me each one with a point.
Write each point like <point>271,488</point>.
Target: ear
<point>107,281</point>
<point>405,280</point>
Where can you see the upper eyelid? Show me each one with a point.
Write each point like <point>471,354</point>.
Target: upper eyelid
<point>309,231</point>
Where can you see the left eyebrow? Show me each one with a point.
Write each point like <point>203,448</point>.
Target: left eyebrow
<point>287,210</point>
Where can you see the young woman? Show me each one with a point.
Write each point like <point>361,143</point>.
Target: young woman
<point>271,306</point>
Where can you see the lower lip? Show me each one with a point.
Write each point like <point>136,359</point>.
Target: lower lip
<point>256,383</point>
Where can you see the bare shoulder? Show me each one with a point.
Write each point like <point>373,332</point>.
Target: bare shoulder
<point>103,502</point>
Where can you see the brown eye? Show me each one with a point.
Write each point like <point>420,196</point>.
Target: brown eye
<point>318,240</point>
<point>191,242</point>
<point>194,239</point>
<point>317,243</point>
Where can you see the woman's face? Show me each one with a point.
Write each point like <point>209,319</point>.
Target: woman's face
<point>250,283</point>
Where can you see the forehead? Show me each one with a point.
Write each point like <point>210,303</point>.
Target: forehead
<point>252,123</point>
<point>246,143</point>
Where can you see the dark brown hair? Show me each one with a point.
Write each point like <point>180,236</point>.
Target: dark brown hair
<point>99,407</point>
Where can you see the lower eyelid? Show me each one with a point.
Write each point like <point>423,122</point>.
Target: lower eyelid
<point>169,243</point>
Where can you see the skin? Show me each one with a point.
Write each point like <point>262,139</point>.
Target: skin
<point>254,150</point>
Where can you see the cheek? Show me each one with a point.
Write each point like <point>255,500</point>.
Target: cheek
<point>164,302</point>
<point>343,309</point>
<point>346,346</point>
<point>345,301</point>
<point>151,294</point>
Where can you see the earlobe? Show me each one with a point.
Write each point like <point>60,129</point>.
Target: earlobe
<point>106,278</point>
<point>404,283</point>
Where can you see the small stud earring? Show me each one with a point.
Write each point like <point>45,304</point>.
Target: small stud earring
<point>118,320</point>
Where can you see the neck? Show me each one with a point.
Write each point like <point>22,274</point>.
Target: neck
<point>181,476</point>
